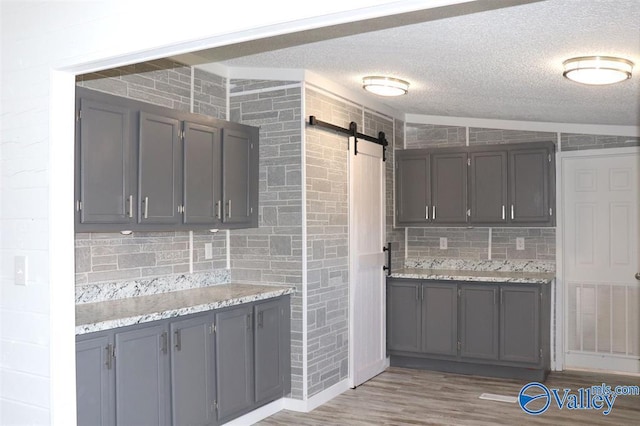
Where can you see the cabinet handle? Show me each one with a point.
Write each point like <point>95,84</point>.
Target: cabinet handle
<point>421,292</point>
<point>146,207</point>
<point>433,215</point>
<point>248,321</point>
<point>503,213</point>
<point>513,216</point>
<point>426,212</point>
<point>130,206</point>
<point>260,320</point>
<point>178,337</point>
<point>638,276</point>
<point>109,362</point>
<point>229,204</point>
<point>219,210</point>
<point>163,342</point>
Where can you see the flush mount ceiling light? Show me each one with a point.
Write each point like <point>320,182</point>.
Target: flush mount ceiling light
<point>597,70</point>
<point>385,86</point>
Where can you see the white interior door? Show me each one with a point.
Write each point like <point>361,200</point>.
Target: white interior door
<point>366,278</point>
<point>600,239</point>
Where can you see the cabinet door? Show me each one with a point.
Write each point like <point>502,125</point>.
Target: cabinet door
<point>192,375</point>
<point>449,188</point>
<point>529,185</point>
<point>479,321</point>
<point>234,362</point>
<point>413,190</point>
<point>520,323</point>
<point>238,165</point>
<point>159,170</point>
<point>488,187</point>
<point>202,174</point>
<point>142,376</point>
<point>404,315</point>
<point>105,151</point>
<point>271,349</point>
<point>440,319</point>
<point>95,380</point>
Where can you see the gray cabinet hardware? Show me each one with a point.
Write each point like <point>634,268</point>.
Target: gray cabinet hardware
<point>146,207</point>
<point>109,362</point>
<point>433,215</point>
<point>130,213</point>
<point>503,213</point>
<point>260,319</point>
<point>178,338</point>
<point>229,209</point>
<point>512,212</point>
<point>164,342</point>
<point>426,212</point>
<point>219,209</point>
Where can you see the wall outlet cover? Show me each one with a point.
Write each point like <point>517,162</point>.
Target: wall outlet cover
<point>520,243</point>
<point>443,243</point>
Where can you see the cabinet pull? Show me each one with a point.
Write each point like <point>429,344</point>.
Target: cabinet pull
<point>109,362</point>
<point>512,212</point>
<point>426,212</point>
<point>146,207</point>
<point>229,205</point>
<point>417,293</point>
<point>219,210</point>
<point>178,336</point>
<point>130,214</point>
<point>260,320</point>
<point>163,342</point>
<point>503,213</point>
<point>248,321</point>
<point>421,292</point>
<point>433,213</point>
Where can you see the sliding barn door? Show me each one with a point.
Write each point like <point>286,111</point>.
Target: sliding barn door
<point>601,260</point>
<point>366,278</point>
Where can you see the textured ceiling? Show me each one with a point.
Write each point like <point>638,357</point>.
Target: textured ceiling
<point>483,60</point>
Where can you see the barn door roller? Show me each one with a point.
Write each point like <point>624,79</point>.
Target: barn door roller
<point>353,131</point>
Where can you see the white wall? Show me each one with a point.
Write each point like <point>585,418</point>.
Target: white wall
<point>43,44</point>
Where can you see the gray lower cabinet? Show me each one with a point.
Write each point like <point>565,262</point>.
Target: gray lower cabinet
<point>479,321</point>
<point>499,329</point>
<point>142,376</point>
<point>192,371</point>
<point>95,380</point>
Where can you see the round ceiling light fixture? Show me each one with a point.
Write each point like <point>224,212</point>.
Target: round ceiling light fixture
<point>385,86</point>
<point>597,70</point>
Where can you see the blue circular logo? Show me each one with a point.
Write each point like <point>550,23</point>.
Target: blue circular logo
<point>530,394</point>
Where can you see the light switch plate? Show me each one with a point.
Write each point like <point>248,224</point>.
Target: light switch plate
<point>208,251</point>
<point>520,243</point>
<point>20,270</point>
<point>443,243</point>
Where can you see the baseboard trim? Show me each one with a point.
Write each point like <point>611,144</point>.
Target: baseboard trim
<point>304,406</point>
<point>602,362</point>
<point>258,414</point>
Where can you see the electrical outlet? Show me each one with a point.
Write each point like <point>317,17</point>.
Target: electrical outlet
<point>520,243</point>
<point>443,243</point>
<point>20,270</point>
<point>208,251</point>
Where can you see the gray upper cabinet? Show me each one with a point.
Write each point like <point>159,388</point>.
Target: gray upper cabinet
<point>413,189</point>
<point>95,380</point>
<point>192,371</point>
<point>440,319</point>
<point>159,169</point>
<point>146,167</point>
<point>520,324</point>
<point>239,159</point>
<point>234,362</point>
<point>479,321</point>
<point>530,185</point>
<point>404,308</point>
<point>503,185</point>
<point>488,187</point>
<point>202,174</point>
<point>142,376</point>
<point>449,188</point>
<point>105,187</point>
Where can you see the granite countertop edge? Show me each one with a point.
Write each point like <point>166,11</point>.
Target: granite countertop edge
<point>101,316</point>
<point>476,276</point>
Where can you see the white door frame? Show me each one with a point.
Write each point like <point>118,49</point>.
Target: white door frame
<point>352,318</point>
<point>561,299</point>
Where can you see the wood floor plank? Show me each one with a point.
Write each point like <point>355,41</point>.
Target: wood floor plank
<point>401,396</point>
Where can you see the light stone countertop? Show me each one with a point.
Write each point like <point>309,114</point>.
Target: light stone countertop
<point>111,314</point>
<point>479,276</point>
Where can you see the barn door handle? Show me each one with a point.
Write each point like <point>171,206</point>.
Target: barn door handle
<point>387,267</point>
<point>638,276</point>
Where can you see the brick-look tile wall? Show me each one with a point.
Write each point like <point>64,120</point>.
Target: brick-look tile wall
<point>272,253</point>
<point>433,136</point>
<point>539,244</point>
<point>113,256</point>
<point>107,257</point>
<point>327,242</point>
<point>481,136</point>
<point>574,142</point>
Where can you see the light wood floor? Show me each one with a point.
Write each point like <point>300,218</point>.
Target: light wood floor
<point>415,397</point>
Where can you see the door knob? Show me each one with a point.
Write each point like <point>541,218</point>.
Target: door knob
<point>638,276</point>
